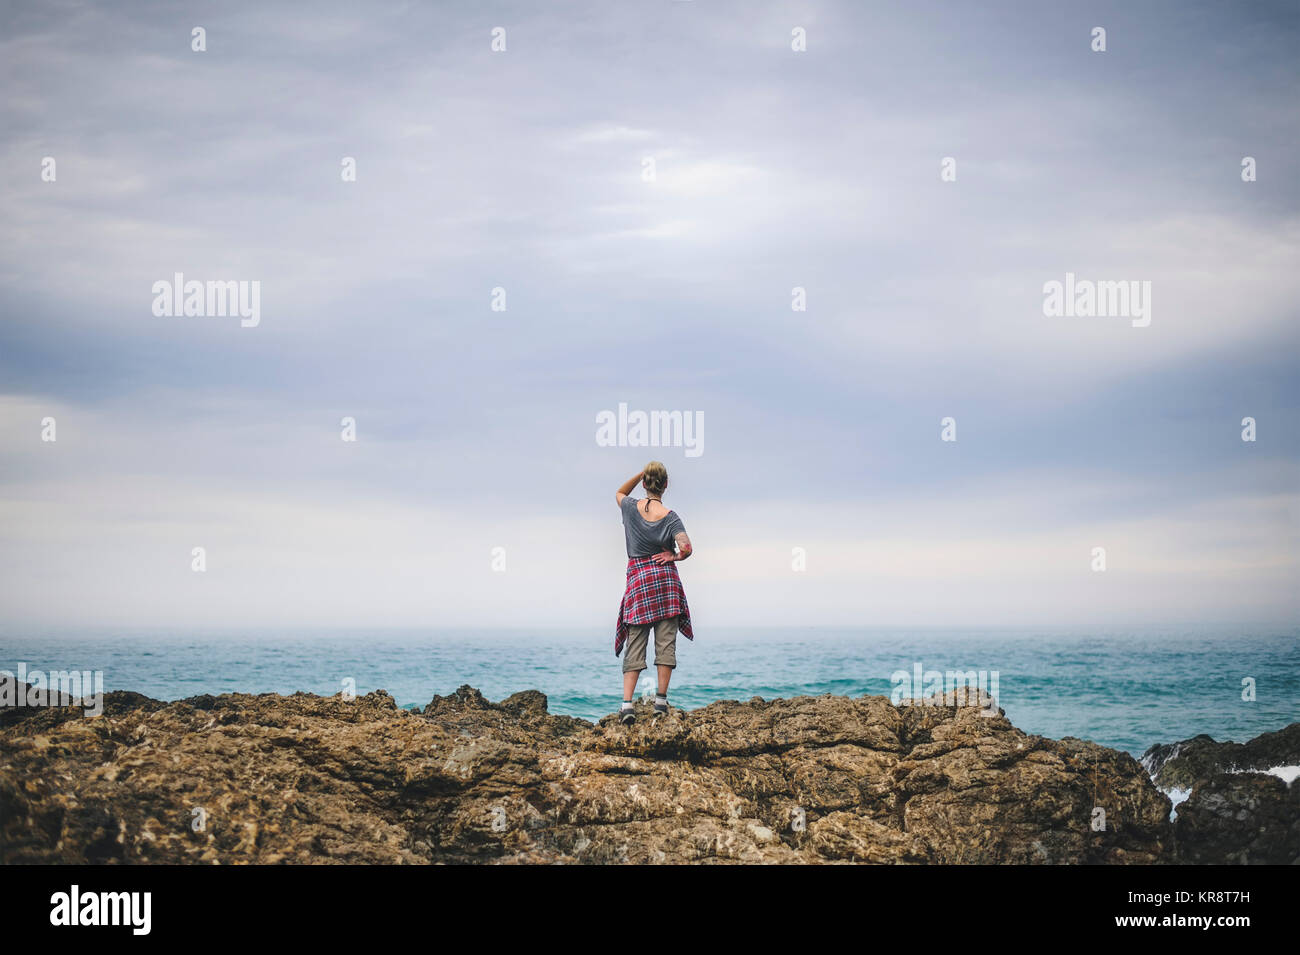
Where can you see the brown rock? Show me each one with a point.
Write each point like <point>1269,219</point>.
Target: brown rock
<point>303,779</point>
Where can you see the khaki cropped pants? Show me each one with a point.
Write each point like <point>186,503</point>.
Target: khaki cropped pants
<point>638,635</point>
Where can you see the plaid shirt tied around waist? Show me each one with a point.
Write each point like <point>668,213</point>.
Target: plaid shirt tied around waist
<point>654,592</point>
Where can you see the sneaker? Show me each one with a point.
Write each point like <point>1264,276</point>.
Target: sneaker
<point>627,717</point>
<point>661,707</point>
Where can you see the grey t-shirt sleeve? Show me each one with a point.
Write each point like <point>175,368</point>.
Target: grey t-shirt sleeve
<point>673,528</point>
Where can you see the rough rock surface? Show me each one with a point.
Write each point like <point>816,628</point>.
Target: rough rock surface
<point>1235,813</point>
<point>1240,818</point>
<point>811,779</point>
<point>1183,764</point>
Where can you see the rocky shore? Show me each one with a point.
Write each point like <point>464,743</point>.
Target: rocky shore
<point>308,779</point>
<point>1237,811</point>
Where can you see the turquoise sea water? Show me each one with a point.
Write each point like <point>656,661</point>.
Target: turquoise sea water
<point>1121,689</point>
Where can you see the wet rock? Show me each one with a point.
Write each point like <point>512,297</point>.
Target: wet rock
<point>1235,813</point>
<point>1181,765</point>
<point>1240,819</point>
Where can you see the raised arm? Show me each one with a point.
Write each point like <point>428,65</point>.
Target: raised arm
<point>627,486</point>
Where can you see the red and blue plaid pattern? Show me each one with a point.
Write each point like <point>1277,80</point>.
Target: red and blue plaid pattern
<point>654,592</point>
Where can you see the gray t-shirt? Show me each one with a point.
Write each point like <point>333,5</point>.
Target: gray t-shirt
<point>647,538</point>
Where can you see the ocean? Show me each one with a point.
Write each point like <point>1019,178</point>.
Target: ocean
<point>1127,690</point>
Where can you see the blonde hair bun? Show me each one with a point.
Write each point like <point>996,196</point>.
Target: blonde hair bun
<point>655,479</point>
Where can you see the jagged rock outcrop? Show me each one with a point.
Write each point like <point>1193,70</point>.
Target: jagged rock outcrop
<point>1239,818</point>
<point>241,778</point>
<point>1236,813</point>
<point>1181,765</point>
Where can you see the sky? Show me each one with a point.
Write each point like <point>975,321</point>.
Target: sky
<point>823,492</point>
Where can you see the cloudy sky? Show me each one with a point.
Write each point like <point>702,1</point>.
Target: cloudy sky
<point>524,170</point>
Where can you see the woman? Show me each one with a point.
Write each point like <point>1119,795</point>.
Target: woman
<point>654,598</point>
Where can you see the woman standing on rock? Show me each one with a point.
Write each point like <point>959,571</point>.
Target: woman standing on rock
<point>654,598</point>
